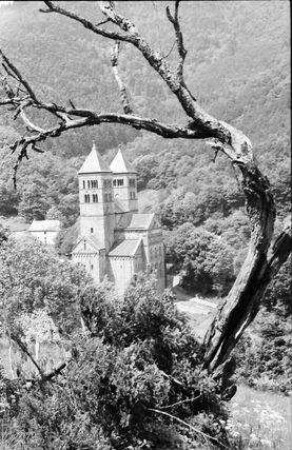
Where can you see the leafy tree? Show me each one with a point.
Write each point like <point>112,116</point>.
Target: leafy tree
<point>67,239</point>
<point>34,204</point>
<point>204,260</point>
<point>44,281</point>
<point>146,168</point>
<point>9,200</point>
<point>3,234</point>
<point>264,355</point>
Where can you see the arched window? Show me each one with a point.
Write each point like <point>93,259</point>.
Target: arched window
<point>84,185</point>
<point>88,184</point>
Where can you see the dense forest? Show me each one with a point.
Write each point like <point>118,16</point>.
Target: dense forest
<point>238,66</point>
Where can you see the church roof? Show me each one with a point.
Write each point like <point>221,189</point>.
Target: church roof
<point>121,165</point>
<point>94,163</point>
<point>141,222</point>
<point>90,240</point>
<point>128,247</point>
<point>45,225</point>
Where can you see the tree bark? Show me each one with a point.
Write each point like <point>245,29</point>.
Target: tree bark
<point>242,304</point>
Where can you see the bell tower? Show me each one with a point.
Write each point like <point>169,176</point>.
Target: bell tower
<point>124,183</point>
<point>96,199</point>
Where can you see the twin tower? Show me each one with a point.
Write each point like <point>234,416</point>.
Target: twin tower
<point>114,239</point>
<point>105,194</point>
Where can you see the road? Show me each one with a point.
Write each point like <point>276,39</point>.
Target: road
<point>200,312</point>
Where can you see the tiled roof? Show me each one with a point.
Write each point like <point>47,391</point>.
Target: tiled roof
<point>45,225</point>
<point>141,222</point>
<point>94,163</point>
<point>121,165</point>
<point>128,247</point>
<point>91,240</point>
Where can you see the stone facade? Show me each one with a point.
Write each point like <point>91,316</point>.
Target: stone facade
<point>45,231</point>
<point>115,240</point>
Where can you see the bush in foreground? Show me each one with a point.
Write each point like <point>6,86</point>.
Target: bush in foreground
<point>134,380</point>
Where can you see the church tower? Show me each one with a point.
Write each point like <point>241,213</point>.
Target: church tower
<point>96,199</point>
<point>124,183</point>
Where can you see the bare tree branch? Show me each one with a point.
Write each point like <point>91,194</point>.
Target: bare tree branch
<point>16,74</point>
<point>52,7</point>
<point>124,95</point>
<point>200,119</point>
<point>25,350</point>
<point>54,373</point>
<point>179,39</point>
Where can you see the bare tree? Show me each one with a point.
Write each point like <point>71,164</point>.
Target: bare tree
<point>263,261</point>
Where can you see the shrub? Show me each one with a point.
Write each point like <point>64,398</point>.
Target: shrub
<point>134,380</point>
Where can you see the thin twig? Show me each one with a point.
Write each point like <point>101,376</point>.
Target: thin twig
<point>25,350</point>
<point>206,436</point>
<point>188,400</point>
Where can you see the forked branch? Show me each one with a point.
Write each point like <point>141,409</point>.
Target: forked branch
<point>182,52</point>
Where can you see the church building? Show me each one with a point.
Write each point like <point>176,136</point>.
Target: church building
<point>115,240</point>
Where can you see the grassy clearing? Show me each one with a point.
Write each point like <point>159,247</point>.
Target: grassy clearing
<point>14,224</point>
<point>261,420</point>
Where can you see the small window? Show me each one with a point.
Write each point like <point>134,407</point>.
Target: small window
<point>95,198</point>
<point>87,198</point>
<point>115,182</point>
<point>91,230</point>
<point>84,185</point>
<point>88,184</point>
<point>120,182</point>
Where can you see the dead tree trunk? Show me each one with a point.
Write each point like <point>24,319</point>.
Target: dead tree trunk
<point>242,303</point>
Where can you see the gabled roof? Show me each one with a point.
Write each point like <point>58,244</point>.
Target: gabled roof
<point>90,240</point>
<point>45,225</point>
<point>141,222</point>
<point>128,247</point>
<point>94,163</point>
<point>121,165</point>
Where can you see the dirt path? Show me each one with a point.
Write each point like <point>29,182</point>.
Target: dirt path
<point>199,311</point>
